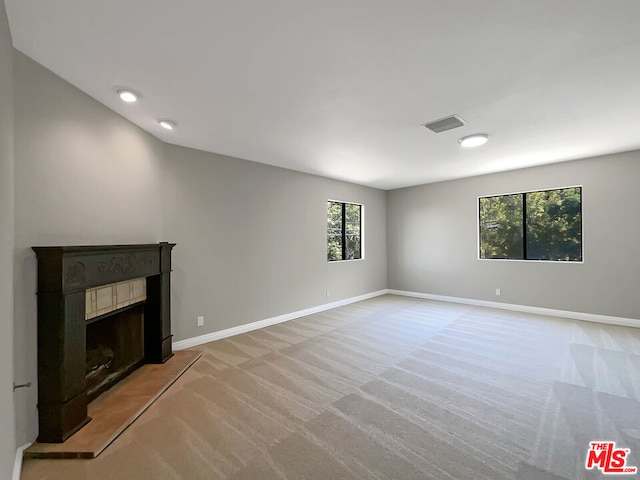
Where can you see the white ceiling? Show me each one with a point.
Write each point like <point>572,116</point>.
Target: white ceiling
<point>339,88</point>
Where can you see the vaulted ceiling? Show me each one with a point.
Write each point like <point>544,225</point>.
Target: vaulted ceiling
<point>340,88</point>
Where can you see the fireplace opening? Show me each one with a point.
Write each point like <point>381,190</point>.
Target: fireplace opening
<point>114,348</point>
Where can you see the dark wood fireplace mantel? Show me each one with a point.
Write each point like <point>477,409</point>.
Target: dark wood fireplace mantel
<point>64,274</point>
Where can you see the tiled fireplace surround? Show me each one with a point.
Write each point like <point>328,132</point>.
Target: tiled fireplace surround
<point>108,298</point>
<point>79,286</point>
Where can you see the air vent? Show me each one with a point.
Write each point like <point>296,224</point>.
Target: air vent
<point>444,124</point>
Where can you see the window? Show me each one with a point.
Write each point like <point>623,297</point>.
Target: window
<point>344,231</point>
<point>542,225</point>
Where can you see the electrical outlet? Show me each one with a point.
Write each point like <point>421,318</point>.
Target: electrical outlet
<point>328,293</point>
<point>498,292</point>
<point>200,321</point>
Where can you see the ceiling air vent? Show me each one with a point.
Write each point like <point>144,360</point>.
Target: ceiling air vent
<point>444,124</point>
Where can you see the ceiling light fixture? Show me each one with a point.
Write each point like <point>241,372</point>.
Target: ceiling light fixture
<point>128,96</point>
<point>167,124</point>
<point>473,140</point>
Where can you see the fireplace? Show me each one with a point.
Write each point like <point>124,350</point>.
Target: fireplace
<point>103,311</point>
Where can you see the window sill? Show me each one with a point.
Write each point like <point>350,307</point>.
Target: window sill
<point>529,261</point>
<point>346,261</point>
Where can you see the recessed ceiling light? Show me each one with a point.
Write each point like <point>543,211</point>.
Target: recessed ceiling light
<point>168,124</point>
<point>128,96</point>
<point>473,140</point>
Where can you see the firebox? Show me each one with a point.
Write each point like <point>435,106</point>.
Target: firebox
<point>115,348</point>
<point>103,311</point>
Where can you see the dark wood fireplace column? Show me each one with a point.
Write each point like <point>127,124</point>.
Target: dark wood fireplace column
<point>64,274</point>
<point>157,311</point>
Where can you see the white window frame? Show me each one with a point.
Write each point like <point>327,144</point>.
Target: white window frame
<point>362,235</point>
<point>526,260</point>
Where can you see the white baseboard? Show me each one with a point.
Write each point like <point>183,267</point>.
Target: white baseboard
<point>589,317</point>
<point>230,332</point>
<point>17,465</point>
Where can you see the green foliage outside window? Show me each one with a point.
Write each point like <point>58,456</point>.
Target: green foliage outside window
<point>501,227</point>
<point>543,225</point>
<point>344,231</point>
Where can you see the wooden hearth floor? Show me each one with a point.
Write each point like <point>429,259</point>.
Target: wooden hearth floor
<point>116,409</point>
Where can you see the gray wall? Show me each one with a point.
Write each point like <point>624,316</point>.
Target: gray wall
<point>252,241</point>
<point>7,427</point>
<point>83,175</point>
<point>432,240</point>
<point>251,238</point>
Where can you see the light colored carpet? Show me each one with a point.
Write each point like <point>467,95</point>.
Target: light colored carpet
<point>388,388</point>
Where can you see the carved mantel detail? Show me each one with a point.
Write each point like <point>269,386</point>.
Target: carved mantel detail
<point>74,274</point>
<point>127,263</point>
